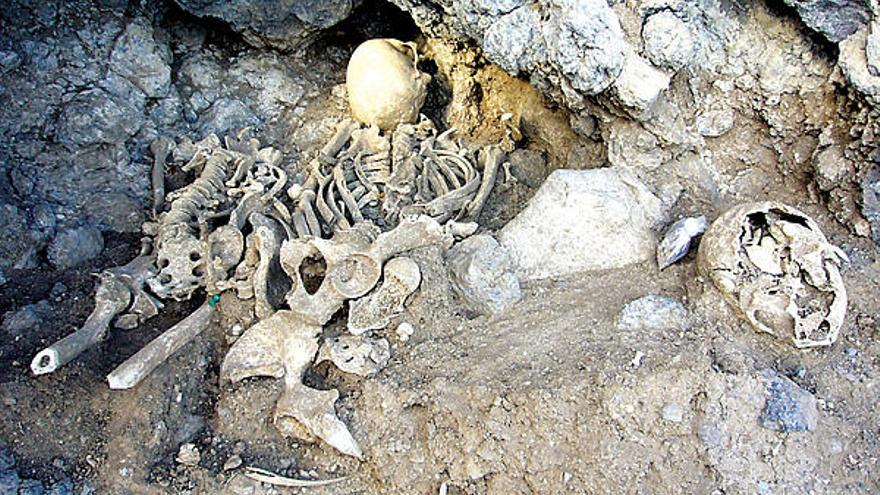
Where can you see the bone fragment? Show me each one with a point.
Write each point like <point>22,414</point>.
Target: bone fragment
<point>134,369</point>
<point>271,478</point>
<point>356,354</point>
<point>283,346</point>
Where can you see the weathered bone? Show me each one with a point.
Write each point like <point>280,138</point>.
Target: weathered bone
<point>284,346</point>
<point>120,287</point>
<point>134,369</point>
<point>160,148</point>
<point>181,253</point>
<point>357,354</point>
<point>491,158</point>
<point>775,267</point>
<point>111,298</point>
<point>401,277</point>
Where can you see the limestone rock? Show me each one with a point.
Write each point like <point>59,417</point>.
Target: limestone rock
<point>278,23</point>
<point>482,274</point>
<point>639,85</point>
<point>583,220</point>
<point>668,41</point>
<point>853,61</point>
<point>138,58</point>
<point>95,117</point>
<point>578,44</point>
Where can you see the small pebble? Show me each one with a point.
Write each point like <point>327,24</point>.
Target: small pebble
<point>232,463</point>
<point>188,455</point>
<point>672,412</point>
<point>405,331</point>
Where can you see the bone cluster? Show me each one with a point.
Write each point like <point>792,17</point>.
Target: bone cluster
<point>258,228</point>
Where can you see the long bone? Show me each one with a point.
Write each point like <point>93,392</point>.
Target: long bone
<point>137,367</point>
<point>120,288</point>
<point>160,148</point>
<point>491,158</point>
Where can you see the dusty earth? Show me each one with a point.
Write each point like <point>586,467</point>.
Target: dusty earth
<point>551,396</point>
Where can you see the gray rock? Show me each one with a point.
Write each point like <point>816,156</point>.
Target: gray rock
<point>577,44</point>
<point>115,211</point>
<point>15,240</point>
<point>74,246</point>
<point>278,23</point>
<point>31,487</point>
<point>482,274</point>
<point>668,40</point>
<point>871,201</point>
<point>789,408</point>
<point>137,57</point>
<point>835,19</point>
<point>514,41</point>
<point>225,115</point>
<point>9,482</point>
<point>9,61</point>
<point>872,48</point>
<point>672,412</point>
<point>26,318</point>
<point>96,117</point>
<point>583,220</point>
<point>654,312</point>
<point>528,166</point>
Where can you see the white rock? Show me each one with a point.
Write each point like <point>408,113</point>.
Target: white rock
<point>188,455</point>
<point>672,412</point>
<point>404,331</point>
<point>668,41</point>
<point>653,312</point>
<point>482,274</point>
<point>639,85</point>
<point>853,61</point>
<point>583,220</point>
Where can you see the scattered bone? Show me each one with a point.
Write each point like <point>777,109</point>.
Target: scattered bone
<point>357,354</point>
<point>775,267</point>
<point>271,478</point>
<point>134,369</point>
<point>677,241</point>
<point>376,310</point>
<point>111,298</point>
<point>491,158</point>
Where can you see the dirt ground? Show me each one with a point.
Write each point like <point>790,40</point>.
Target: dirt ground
<point>551,396</point>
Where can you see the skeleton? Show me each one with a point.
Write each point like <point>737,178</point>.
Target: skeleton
<point>776,268</point>
<point>248,226</point>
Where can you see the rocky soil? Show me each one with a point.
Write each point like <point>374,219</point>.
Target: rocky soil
<point>589,371</point>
